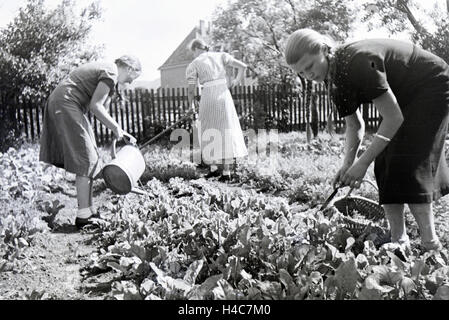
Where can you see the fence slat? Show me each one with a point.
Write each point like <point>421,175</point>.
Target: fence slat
<point>139,123</point>
<point>144,111</point>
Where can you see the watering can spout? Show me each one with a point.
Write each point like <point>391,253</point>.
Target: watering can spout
<point>139,192</point>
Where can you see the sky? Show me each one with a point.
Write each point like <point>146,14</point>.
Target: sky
<point>149,29</point>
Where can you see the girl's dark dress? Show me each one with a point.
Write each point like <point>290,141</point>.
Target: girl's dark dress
<point>413,167</point>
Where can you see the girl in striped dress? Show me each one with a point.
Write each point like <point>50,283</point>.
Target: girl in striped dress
<point>67,139</point>
<point>221,137</point>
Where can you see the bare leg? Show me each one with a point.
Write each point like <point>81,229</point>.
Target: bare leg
<point>396,219</point>
<point>227,166</point>
<point>226,169</point>
<point>91,192</point>
<point>83,194</point>
<point>93,209</point>
<point>83,191</point>
<point>423,214</point>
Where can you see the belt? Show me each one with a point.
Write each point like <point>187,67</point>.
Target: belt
<point>215,83</point>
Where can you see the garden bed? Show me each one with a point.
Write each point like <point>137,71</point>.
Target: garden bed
<point>262,236</point>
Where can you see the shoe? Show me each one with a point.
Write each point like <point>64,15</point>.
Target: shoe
<point>225,178</point>
<point>80,223</point>
<point>212,174</point>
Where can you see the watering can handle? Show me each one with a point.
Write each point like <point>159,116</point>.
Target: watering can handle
<point>114,146</point>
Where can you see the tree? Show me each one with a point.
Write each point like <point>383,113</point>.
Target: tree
<point>400,16</point>
<point>258,30</point>
<point>37,49</point>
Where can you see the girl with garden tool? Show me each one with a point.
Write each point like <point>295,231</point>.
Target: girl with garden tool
<point>410,88</point>
<point>68,140</point>
<point>217,117</point>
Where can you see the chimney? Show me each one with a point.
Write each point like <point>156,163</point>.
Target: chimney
<point>202,28</point>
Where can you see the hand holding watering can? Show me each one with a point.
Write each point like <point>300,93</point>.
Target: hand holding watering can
<point>124,171</point>
<point>127,166</point>
<point>120,134</point>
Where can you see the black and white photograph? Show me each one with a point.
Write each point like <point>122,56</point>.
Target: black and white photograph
<point>219,158</point>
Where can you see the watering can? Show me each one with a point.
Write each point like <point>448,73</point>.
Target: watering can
<point>124,171</point>
<point>122,174</point>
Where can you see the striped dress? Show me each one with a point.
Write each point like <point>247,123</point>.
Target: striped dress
<point>221,134</point>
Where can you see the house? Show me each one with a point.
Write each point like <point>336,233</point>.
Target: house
<point>173,71</point>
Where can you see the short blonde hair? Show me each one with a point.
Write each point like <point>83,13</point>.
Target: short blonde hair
<point>304,41</point>
<point>129,61</point>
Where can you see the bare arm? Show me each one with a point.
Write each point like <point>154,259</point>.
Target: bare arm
<point>392,116</point>
<point>191,94</point>
<point>355,130</point>
<point>241,71</point>
<point>97,102</point>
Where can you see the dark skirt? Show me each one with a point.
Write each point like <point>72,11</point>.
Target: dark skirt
<point>413,168</point>
<point>67,139</point>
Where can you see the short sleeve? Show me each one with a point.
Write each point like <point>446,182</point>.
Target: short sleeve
<point>109,74</point>
<point>191,74</point>
<point>367,74</point>
<point>346,101</point>
<point>226,58</point>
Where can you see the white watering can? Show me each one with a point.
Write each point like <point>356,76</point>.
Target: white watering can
<point>127,166</point>
<point>124,171</point>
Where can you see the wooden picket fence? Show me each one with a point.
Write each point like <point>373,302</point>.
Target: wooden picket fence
<point>144,113</point>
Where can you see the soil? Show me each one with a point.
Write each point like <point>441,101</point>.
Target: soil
<point>51,266</point>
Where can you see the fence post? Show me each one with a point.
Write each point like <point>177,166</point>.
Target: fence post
<point>131,109</point>
<point>138,96</point>
<point>244,106</point>
<point>30,110</point>
<point>95,129</point>
<point>145,112</point>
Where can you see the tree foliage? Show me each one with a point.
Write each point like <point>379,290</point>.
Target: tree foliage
<point>39,46</point>
<point>257,29</point>
<point>429,30</point>
<point>37,49</point>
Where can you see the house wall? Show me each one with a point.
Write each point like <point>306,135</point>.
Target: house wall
<point>174,77</point>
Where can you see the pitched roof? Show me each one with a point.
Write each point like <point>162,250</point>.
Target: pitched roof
<point>181,55</point>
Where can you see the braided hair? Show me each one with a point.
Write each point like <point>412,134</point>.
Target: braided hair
<point>309,41</point>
